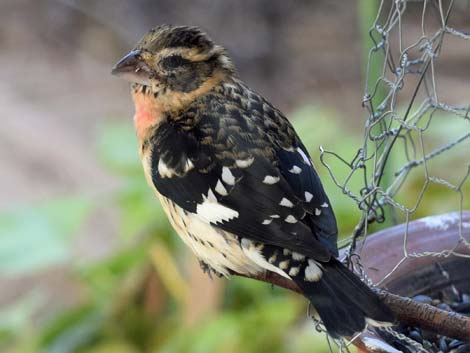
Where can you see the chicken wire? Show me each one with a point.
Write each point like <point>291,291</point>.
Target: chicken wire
<point>399,120</point>
<point>405,108</point>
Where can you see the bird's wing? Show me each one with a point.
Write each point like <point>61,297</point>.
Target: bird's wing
<point>297,168</point>
<point>229,173</point>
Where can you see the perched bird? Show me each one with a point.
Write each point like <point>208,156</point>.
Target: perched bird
<point>236,182</point>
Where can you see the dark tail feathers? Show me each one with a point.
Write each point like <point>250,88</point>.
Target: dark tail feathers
<point>343,301</point>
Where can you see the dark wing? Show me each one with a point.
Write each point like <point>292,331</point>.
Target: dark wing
<point>297,168</point>
<point>227,170</point>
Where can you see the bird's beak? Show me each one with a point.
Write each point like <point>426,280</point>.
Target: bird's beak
<point>133,68</point>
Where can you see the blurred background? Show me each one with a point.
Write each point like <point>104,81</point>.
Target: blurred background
<point>88,262</point>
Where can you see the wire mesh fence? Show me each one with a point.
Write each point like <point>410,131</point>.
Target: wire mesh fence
<point>416,144</point>
<point>405,114</point>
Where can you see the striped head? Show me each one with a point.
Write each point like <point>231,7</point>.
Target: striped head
<point>173,58</point>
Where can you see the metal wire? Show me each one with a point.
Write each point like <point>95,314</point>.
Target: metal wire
<point>401,121</point>
<point>404,112</point>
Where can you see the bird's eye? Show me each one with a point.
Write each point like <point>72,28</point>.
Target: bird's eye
<point>173,62</point>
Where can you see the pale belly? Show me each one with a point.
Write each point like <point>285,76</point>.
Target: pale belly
<point>220,250</point>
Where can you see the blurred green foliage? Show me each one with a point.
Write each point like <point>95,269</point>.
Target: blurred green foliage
<point>116,310</point>
<point>43,240</point>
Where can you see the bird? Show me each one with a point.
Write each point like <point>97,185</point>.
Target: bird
<point>235,180</point>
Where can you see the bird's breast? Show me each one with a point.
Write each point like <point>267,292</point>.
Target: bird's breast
<point>218,249</point>
<point>148,113</point>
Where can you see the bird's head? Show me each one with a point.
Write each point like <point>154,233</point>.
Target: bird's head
<point>175,58</point>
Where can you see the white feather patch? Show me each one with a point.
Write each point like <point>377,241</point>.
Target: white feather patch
<point>308,196</point>
<point>213,212</point>
<point>286,203</point>
<point>270,180</point>
<point>267,221</point>
<point>211,196</point>
<point>254,255</point>
<point>227,176</point>
<point>284,265</point>
<point>291,219</point>
<point>164,170</point>
<point>304,156</point>
<point>220,250</point>
<point>244,163</point>
<point>188,165</point>
<point>324,205</point>
<point>220,188</point>
<point>376,323</point>
<point>313,271</point>
<point>295,170</point>
<point>297,257</point>
<point>294,271</point>
<point>317,212</point>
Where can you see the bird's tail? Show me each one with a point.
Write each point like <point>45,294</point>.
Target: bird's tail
<point>344,303</point>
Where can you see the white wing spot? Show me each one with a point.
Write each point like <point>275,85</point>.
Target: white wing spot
<point>254,255</point>
<point>294,271</point>
<point>286,252</point>
<point>220,188</point>
<point>291,219</point>
<point>295,170</point>
<point>270,180</point>
<point>211,196</point>
<point>227,176</point>
<point>267,221</point>
<point>324,205</point>
<point>317,212</point>
<point>213,212</point>
<point>286,203</point>
<point>275,216</point>
<point>313,271</point>
<point>297,257</point>
<point>163,169</point>
<point>188,165</point>
<point>304,156</point>
<point>244,163</point>
<point>283,265</point>
<point>308,196</point>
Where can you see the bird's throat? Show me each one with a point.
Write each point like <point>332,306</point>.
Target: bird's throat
<point>148,114</point>
<point>151,109</point>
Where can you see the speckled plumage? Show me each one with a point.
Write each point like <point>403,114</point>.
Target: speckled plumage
<point>226,128</point>
<point>234,178</point>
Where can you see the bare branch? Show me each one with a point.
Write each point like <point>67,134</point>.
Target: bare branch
<point>406,310</point>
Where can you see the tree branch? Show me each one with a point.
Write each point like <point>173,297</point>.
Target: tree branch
<point>406,310</point>
<point>427,317</point>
